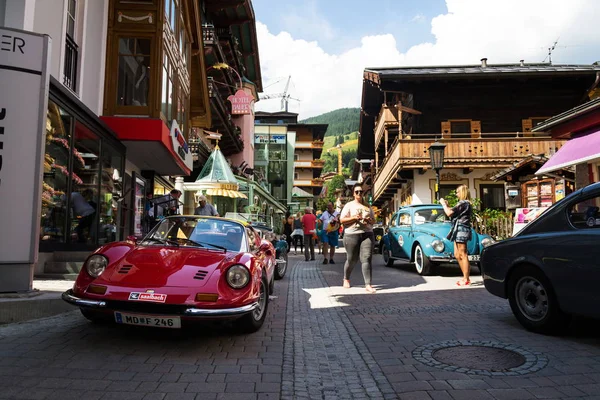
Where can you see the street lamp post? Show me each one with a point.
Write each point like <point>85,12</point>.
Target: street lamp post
<point>436,153</point>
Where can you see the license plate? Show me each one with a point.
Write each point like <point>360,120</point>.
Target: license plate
<point>148,320</point>
<point>473,258</point>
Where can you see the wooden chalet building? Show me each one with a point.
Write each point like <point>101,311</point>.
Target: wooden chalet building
<point>484,114</point>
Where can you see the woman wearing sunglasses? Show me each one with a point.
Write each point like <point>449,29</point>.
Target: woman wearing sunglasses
<point>358,218</point>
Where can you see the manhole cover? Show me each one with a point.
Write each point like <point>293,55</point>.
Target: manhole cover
<point>479,357</point>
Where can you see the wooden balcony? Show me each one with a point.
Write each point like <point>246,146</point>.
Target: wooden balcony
<point>388,117</point>
<point>491,151</point>
<point>309,164</point>
<point>315,182</point>
<point>315,144</point>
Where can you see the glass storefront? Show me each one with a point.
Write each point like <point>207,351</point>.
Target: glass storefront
<point>81,175</point>
<point>271,161</point>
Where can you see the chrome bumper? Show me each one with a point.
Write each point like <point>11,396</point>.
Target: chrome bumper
<point>449,259</point>
<point>69,297</point>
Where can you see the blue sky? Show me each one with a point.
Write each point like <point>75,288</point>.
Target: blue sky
<point>325,45</point>
<point>344,22</point>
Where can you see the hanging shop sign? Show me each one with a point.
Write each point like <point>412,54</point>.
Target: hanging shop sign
<point>180,145</point>
<point>241,102</point>
<point>24,82</point>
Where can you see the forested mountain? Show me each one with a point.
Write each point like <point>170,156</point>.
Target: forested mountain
<point>341,121</point>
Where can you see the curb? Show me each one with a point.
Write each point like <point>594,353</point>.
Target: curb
<point>25,309</point>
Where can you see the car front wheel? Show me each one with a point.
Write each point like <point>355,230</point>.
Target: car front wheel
<point>534,303</point>
<point>422,263</point>
<point>387,256</point>
<point>254,320</point>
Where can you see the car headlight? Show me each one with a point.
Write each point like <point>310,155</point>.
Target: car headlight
<point>95,265</point>
<point>438,245</point>
<point>238,276</point>
<point>487,242</point>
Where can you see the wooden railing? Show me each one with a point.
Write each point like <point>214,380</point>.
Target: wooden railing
<point>317,182</point>
<point>318,163</point>
<point>388,116</point>
<point>485,152</point>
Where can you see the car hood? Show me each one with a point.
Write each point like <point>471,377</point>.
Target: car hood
<point>175,267</point>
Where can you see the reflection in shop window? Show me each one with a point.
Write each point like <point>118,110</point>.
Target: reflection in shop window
<point>53,222</point>
<point>134,72</point>
<point>111,191</point>
<point>84,196</point>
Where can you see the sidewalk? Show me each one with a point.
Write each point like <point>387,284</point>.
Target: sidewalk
<point>43,301</point>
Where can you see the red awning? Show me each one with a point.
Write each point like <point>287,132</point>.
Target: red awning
<point>581,149</point>
<point>151,145</point>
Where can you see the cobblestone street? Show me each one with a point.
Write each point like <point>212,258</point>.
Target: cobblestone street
<point>320,341</point>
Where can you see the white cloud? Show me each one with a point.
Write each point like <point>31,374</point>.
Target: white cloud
<point>503,32</point>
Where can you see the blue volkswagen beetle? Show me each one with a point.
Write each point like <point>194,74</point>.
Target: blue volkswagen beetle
<point>417,233</point>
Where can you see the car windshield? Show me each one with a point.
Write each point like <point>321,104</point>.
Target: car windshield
<point>430,215</point>
<point>211,233</point>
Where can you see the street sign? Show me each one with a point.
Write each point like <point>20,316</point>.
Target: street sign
<point>24,82</point>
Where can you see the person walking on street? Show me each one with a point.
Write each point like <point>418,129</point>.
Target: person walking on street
<point>288,229</point>
<point>358,218</point>
<point>205,208</point>
<point>460,233</point>
<point>298,234</point>
<point>309,227</point>
<point>330,236</point>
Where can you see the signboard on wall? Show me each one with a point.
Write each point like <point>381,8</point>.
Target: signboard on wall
<point>523,216</point>
<point>24,82</point>
<point>266,138</point>
<point>241,102</point>
<point>180,146</point>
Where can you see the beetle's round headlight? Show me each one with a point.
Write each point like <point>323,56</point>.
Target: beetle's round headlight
<point>95,265</point>
<point>487,242</point>
<point>438,245</point>
<point>238,276</point>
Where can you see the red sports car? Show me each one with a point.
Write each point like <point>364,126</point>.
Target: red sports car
<point>187,268</point>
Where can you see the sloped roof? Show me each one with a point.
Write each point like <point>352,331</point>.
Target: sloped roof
<point>490,69</point>
<point>297,192</point>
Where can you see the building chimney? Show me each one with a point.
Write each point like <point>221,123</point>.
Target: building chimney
<point>484,63</point>
<point>522,63</point>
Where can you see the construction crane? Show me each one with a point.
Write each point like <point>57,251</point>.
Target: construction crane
<point>285,96</point>
<point>339,150</point>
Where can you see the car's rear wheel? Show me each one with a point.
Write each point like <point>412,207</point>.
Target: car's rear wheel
<point>280,269</point>
<point>253,321</point>
<point>387,256</point>
<point>422,263</point>
<point>534,303</point>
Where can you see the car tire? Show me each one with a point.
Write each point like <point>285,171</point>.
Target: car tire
<point>387,256</point>
<point>533,302</point>
<point>254,320</point>
<point>422,263</point>
<point>280,271</point>
<point>272,285</point>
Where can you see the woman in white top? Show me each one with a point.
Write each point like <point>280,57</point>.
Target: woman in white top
<point>358,218</point>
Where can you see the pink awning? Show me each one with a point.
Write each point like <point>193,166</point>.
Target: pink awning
<point>581,149</point>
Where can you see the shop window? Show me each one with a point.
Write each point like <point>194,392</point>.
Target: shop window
<point>492,196</point>
<point>55,183</point>
<point>111,191</point>
<point>586,214</point>
<point>133,78</point>
<point>84,195</point>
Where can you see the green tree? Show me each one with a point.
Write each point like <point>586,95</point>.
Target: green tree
<point>340,121</point>
<point>338,182</point>
<point>341,138</point>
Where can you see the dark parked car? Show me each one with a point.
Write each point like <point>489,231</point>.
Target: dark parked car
<point>549,270</point>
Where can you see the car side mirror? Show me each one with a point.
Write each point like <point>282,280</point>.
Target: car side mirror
<point>132,238</point>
